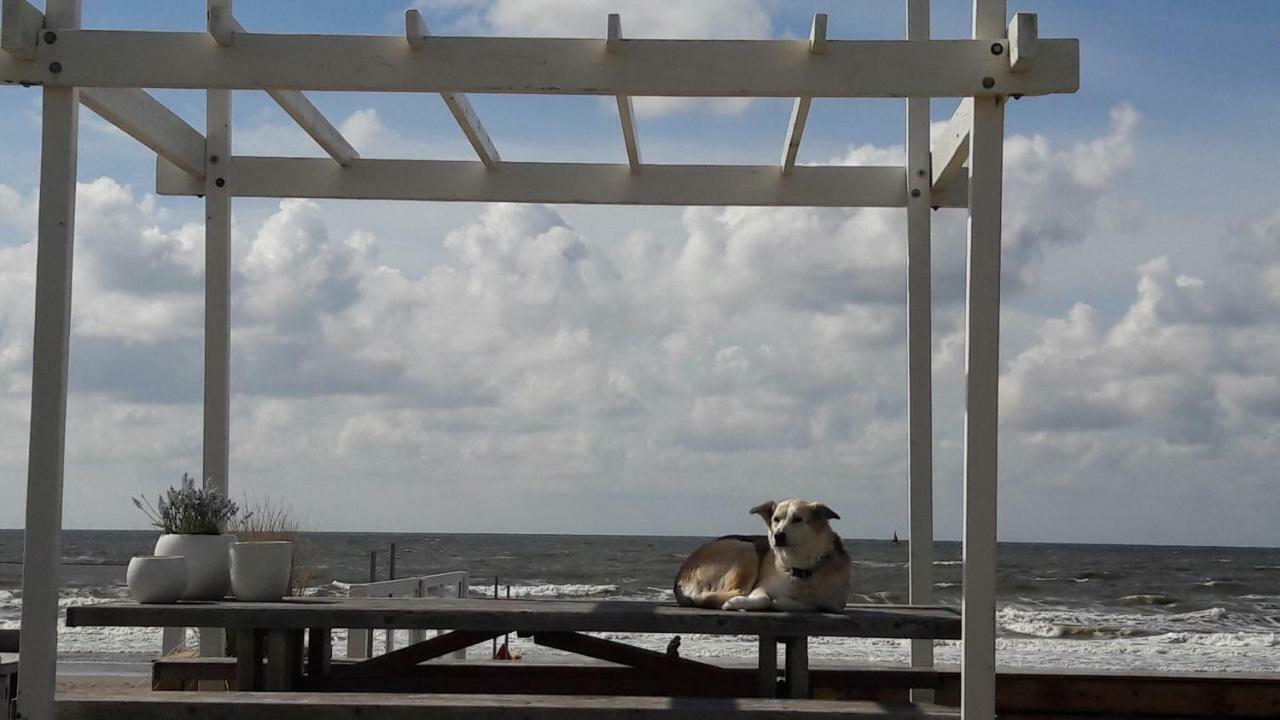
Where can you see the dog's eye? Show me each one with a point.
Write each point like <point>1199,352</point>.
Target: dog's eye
<point>778,519</point>
<point>799,519</point>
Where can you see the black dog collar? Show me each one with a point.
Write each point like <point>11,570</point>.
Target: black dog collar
<point>806,573</point>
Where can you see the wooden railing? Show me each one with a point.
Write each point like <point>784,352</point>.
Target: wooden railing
<point>449,584</point>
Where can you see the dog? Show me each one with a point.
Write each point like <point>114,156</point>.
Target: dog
<point>800,566</point>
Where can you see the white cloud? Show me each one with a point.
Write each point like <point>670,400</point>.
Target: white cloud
<point>750,351</point>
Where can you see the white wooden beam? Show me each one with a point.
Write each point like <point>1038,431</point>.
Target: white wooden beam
<point>1024,32</point>
<point>222,25</point>
<point>982,382</point>
<point>20,32</point>
<point>42,546</point>
<point>818,34</point>
<point>149,122</point>
<point>626,112</point>
<point>919,355</point>
<point>220,178</point>
<point>800,108</point>
<point>416,32</point>
<point>680,68</point>
<point>795,129</point>
<point>567,183</point>
<point>951,149</point>
<point>224,28</point>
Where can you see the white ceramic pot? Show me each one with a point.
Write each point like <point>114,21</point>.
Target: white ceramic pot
<point>260,570</point>
<point>208,563</point>
<point>154,579</point>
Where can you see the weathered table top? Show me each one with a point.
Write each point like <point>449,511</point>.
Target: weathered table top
<point>885,621</point>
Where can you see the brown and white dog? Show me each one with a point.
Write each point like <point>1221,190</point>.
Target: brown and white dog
<point>800,566</point>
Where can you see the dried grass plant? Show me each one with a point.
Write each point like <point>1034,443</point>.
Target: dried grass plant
<point>269,520</point>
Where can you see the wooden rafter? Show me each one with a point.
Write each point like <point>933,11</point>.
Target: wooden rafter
<point>626,113</point>
<point>800,110</point>
<point>416,34</point>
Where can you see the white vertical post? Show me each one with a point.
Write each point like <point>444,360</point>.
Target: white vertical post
<point>982,377</point>
<point>919,353</point>
<point>42,548</point>
<point>217,303</point>
<point>217,288</point>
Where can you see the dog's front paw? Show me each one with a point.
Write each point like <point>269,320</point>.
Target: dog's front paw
<point>742,602</point>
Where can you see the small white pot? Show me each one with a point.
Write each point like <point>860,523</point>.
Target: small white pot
<point>208,564</point>
<point>154,579</point>
<point>260,570</point>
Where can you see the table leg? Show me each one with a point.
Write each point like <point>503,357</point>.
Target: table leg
<point>798,667</point>
<point>768,666</point>
<point>248,660</point>
<point>319,654</point>
<point>284,659</point>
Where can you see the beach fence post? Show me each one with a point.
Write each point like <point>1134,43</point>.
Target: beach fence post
<point>42,548</point>
<point>391,563</point>
<point>919,354</point>
<point>982,379</point>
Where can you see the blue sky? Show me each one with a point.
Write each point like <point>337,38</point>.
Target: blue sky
<point>1142,217</point>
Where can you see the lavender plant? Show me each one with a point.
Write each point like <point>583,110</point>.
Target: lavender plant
<point>188,510</point>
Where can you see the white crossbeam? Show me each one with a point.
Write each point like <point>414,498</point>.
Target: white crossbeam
<point>800,109</point>
<point>1024,31</point>
<point>226,31</point>
<point>626,113</point>
<point>568,183</point>
<point>21,29</point>
<point>679,68</point>
<point>951,149</point>
<point>416,33</point>
<point>148,121</point>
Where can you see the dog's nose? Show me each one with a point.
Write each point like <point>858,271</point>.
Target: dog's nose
<point>780,539</point>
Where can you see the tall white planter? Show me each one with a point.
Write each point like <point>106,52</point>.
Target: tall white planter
<point>208,563</point>
<point>260,570</point>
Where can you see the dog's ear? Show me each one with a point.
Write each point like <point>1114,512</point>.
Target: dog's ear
<point>764,510</point>
<point>825,512</point>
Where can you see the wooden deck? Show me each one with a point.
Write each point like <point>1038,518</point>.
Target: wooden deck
<point>341,706</point>
<point>532,616</point>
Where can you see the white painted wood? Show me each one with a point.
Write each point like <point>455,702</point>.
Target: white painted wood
<point>570,183</point>
<point>417,32</point>
<point>42,548</point>
<point>818,34</point>
<point>627,116</point>
<point>613,33</point>
<point>626,112</point>
<point>800,108</point>
<point>1024,31</point>
<point>315,124</point>
<point>951,149</point>
<point>20,32</point>
<point>217,190</point>
<point>919,354</point>
<point>222,25</point>
<point>415,29</point>
<point>679,68</point>
<point>795,129</point>
<point>149,122</point>
<point>982,379</point>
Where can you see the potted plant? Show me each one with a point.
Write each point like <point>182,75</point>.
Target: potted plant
<point>263,561</point>
<point>192,520</point>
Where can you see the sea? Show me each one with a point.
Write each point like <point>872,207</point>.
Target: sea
<point>1060,605</point>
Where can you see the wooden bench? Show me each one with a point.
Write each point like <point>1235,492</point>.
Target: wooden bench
<point>340,706</point>
<point>276,630</point>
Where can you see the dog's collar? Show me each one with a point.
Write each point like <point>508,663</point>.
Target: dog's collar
<point>806,573</point>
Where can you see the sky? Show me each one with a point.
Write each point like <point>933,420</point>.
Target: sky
<point>430,368</point>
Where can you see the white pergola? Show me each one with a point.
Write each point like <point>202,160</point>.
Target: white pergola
<point>107,70</point>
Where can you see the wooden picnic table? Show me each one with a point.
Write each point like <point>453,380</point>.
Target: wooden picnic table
<point>278,628</point>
